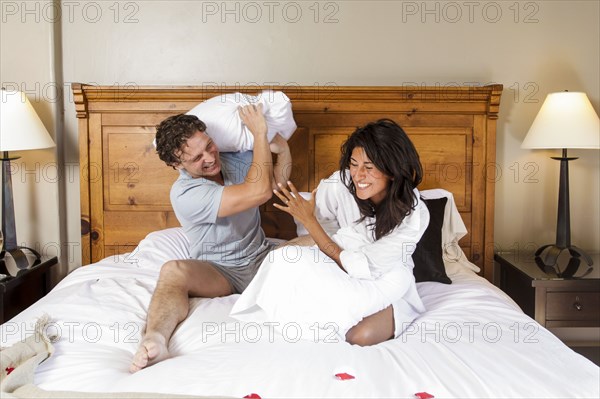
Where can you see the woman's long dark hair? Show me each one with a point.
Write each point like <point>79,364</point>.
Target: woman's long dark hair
<point>391,151</point>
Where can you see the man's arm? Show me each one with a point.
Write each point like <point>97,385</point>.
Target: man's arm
<point>257,186</point>
<point>283,166</point>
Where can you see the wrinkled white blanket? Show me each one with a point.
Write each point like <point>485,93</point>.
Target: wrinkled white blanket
<point>19,362</point>
<point>301,288</point>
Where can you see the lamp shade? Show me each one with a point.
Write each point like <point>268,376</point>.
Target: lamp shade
<point>20,126</point>
<point>566,120</point>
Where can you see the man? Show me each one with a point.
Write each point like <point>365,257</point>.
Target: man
<point>216,200</point>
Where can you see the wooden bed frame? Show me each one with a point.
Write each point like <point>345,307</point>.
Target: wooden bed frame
<point>125,187</point>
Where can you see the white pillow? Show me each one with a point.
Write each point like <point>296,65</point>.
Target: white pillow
<point>159,247</point>
<point>300,229</point>
<point>224,126</point>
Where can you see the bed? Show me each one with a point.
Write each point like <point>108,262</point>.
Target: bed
<point>473,340</point>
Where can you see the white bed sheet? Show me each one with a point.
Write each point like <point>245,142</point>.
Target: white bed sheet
<point>473,341</point>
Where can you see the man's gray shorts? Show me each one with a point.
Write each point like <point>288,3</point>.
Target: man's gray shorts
<point>240,277</point>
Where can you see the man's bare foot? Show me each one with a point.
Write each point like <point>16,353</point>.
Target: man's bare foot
<point>152,350</point>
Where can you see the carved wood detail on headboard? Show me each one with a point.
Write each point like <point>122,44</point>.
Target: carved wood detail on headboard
<point>125,187</point>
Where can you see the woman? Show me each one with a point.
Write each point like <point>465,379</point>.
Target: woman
<point>366,220</point>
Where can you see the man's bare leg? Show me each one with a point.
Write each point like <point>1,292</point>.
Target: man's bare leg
<point>169,306</point>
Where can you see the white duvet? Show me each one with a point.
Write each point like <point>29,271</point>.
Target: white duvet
<point>472,341</point>
<point>301,288</point>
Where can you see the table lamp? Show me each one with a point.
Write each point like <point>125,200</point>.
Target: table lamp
<point>566,120</point>
<point>20,129</point>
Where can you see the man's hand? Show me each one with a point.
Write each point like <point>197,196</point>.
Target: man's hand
<point>252,116</point>
<point>278,144</point>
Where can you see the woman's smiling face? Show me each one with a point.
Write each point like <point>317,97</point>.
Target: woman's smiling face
<point>370,182</point>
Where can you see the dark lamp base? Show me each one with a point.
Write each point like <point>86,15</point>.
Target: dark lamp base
<point>549,262</point>
<point>20,257</point>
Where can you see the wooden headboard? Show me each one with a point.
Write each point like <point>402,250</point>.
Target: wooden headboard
<point>125,187</point>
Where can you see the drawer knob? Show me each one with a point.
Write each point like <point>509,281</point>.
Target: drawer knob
<point>577,305</point>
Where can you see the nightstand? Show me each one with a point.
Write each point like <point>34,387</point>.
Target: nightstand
<point>568,307</point>
<point>20,291</point>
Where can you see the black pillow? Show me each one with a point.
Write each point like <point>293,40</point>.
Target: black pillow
<point>429,265</point>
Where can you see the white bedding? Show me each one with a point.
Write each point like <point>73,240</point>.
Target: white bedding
<point>473,341</point>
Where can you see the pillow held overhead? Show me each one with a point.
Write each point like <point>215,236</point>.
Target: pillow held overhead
<point>224,126</point>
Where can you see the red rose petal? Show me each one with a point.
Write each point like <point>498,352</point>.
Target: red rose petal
<point>424,395</point>
<point>344,376</point>
<point>252,396</point>
<point>9,370</point>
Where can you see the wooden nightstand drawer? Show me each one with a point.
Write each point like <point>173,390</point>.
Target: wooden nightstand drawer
<point>576,306</point>
<point>568,307</point>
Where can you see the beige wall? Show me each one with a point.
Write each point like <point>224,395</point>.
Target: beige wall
<point>532,47</point>
<point>26,64</point>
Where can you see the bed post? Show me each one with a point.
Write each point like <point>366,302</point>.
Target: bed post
<point>84,168</point>
<point>490,181</point>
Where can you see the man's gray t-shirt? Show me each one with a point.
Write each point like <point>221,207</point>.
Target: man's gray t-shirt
<point>227,241</point>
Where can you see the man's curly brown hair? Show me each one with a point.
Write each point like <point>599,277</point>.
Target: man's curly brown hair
<point>172,135</point>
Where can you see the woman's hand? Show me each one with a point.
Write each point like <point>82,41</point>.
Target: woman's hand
<point>295,204</point>
<point>304,212</point>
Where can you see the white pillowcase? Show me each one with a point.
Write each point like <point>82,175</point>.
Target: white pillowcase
<point>159,247</point>
<point>225,127</point>
<point>300,229</point>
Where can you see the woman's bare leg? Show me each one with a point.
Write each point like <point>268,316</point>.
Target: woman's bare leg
<point>373,329</point>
